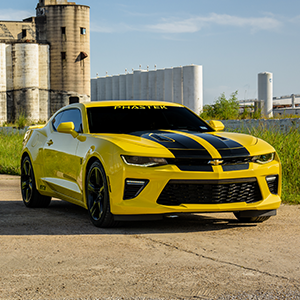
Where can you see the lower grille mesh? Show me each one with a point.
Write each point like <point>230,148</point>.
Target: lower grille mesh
<point>178,192</point>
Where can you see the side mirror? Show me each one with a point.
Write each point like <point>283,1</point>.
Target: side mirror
<point>67,127</point>
<point>217,125</point>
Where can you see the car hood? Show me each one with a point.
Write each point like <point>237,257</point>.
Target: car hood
<point>188,144</point>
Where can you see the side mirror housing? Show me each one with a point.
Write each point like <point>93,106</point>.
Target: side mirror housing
<point>217,125</point>
<point>67,127</point>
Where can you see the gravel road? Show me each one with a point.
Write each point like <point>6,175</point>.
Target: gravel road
<point>56,253</point>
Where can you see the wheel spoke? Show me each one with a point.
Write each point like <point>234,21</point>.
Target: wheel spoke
<point>93,209</point>
<point>92,189</point>
<point>101,193</point>
<point>25,184</point>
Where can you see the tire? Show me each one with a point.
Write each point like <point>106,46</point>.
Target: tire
<point>31,197</point>
<point>251,219</point>
<point>97,197</point>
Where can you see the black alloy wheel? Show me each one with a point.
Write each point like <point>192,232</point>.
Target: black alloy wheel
<point>31,196</point>
<point>97,197</point>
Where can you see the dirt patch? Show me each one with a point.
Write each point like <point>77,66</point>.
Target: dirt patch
<point>56,253</point>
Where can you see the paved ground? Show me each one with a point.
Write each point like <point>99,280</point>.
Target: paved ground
<point>56,253</point>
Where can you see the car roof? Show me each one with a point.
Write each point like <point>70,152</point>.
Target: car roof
<point>128,102</point>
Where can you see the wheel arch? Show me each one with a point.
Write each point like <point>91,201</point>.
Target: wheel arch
<point>24,154</point>
<point>90,161</point>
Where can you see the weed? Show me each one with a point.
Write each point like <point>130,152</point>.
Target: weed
<point>22,121</point>
<point>287,146</point>
<point>10,153</point>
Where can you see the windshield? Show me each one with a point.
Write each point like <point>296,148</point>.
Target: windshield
<point>131,118</point>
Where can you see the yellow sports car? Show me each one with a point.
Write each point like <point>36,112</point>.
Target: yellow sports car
<point>141,160</point>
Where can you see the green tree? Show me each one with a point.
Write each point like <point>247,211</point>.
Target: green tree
<point>223,109</point>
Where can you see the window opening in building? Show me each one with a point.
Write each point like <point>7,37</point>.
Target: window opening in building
<point>73,100</point>
<point>63,30</point>
<point>63,55</point>
<point>24,33</point>
<point>82,30</point>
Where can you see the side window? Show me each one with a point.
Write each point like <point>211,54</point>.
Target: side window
<point>70,115</point>
<point>56,121</point>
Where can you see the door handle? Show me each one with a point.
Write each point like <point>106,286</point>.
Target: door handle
<point>50,143</point>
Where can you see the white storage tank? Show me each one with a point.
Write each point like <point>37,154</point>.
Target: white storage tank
<point>160,84</point>
<point>193,88</point>
<point>122,87</point>
<point>44,82</point>
<point>152,85</point>
<point>3,107</point>
<point>115,87</point>
<point>129,87</point>
<point>144,85</point>
<point>25,59</point>
<point>137,85</point>
<point>178,85</point>
<point>101,88</point>
<point>265,93</point>
<point>108,88</point>
<point>94,89</point>
<point>168,85</point>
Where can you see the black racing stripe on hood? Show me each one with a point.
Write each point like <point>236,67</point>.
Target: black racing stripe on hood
<point>226,147</point>
<point>180,145</point>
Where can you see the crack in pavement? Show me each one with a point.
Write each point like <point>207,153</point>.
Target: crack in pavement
<point>214,259</point>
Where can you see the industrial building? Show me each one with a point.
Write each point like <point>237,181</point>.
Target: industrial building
<point>45,61</point>
<point>183,85</point>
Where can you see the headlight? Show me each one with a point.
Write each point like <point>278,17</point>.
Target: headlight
<point>264,159</point>
<point>143,161</point>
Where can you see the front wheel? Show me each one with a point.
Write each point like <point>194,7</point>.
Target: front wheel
<point>31,196</point>
<point>97,197</point>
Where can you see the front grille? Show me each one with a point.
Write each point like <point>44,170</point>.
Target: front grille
<point>178,192</point>
<point>204,165</point>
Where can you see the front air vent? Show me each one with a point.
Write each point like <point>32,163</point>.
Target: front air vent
<point>133,188</point>
<point>272,182</point>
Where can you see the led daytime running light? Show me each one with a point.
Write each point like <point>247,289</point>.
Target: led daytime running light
<point>264,158</point>
<point>141,161</point>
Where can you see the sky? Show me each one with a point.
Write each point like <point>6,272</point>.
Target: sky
<point>233,40</point>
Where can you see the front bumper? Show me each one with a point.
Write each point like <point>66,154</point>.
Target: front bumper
<point>147,203</point>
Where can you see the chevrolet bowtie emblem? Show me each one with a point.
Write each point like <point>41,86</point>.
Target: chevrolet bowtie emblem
<point>215,162</point>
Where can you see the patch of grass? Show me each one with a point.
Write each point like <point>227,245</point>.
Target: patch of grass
<point>287,146</point>
<point>10,153</point>
<point>22,121</point>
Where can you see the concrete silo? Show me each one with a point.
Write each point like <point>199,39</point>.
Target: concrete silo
<point>66,27</point>
<point>265,93</point>
<point>25,74</point>
<point>3,113</point>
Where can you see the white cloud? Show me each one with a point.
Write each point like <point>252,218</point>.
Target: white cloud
<point>15,15</point>
<point>195,24</point>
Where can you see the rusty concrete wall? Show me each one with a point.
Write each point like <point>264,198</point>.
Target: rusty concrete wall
<point>17,31</point>
<point>67,28</point>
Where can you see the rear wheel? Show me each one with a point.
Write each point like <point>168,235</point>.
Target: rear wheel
<point>257,219</point>
<point>97,197</point>
<point>31,197</point>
